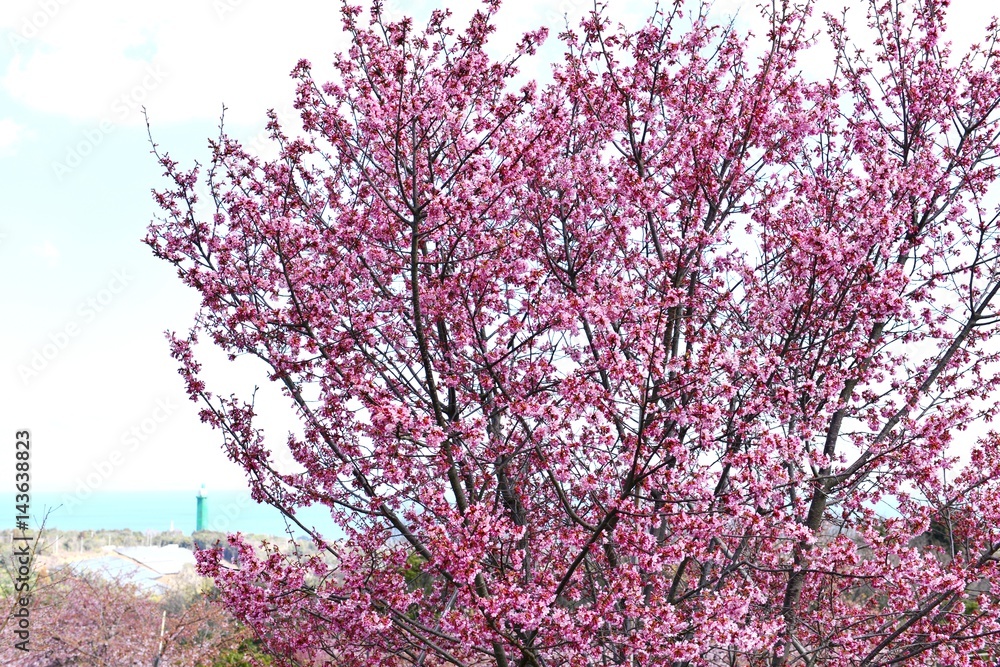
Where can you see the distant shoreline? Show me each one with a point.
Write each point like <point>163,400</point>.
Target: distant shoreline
<point>159,511</point>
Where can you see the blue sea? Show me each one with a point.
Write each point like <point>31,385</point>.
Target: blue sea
<point>228,512</point>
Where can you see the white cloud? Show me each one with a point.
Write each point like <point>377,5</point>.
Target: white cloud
<point>92,60</point>
<point>11,133</point>
<point>89,61</point>
<point>48,252</point>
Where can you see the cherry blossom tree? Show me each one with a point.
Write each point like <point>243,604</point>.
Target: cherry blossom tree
<point>667,361</point>
<point>85,619</point>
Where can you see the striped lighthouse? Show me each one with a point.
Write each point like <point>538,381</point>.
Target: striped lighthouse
<point>202,516</point>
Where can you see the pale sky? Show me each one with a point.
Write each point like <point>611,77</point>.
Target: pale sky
<point>84,364</point>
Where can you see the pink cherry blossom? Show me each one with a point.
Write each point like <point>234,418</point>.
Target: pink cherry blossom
<point>624,368</point>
